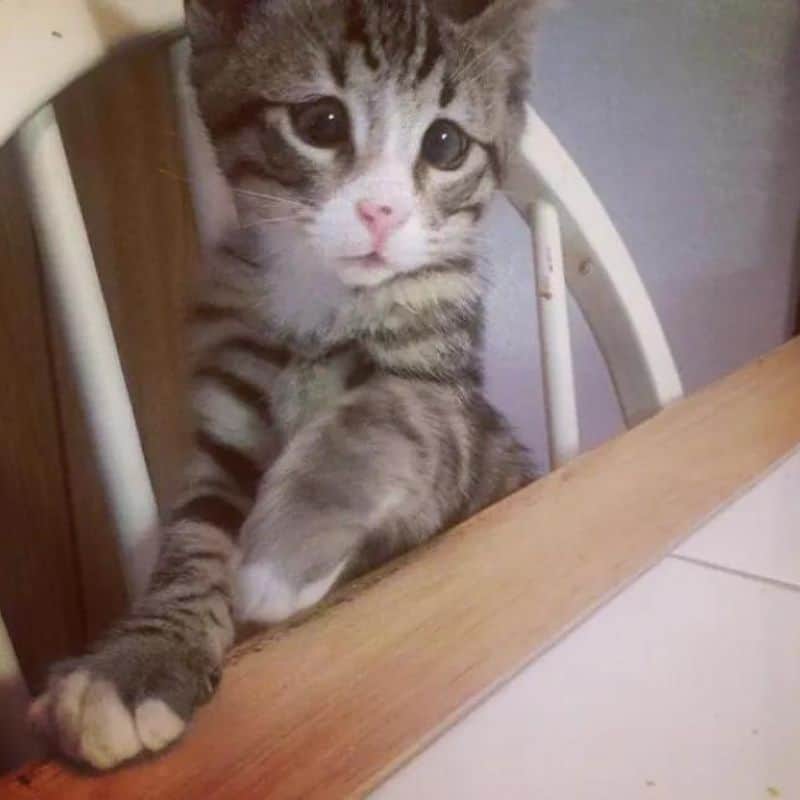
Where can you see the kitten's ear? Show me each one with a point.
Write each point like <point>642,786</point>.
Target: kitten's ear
<point>214,23</point>
<point>507,26</point>
<point>492,19</point>
<point>497,11</point>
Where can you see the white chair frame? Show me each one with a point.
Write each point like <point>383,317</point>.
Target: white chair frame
<point>576,248</point>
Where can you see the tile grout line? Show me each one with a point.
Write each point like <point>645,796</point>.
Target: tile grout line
<point>738,573</point>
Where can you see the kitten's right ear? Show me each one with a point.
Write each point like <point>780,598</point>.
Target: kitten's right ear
<point>215,23</point>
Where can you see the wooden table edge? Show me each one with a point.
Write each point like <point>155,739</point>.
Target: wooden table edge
<point>330,707</point>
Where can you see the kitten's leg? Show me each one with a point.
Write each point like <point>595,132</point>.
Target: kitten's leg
<point>393,464</point>
<point>137,688</point>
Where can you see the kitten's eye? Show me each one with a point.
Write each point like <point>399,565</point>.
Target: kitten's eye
<point>445,145</point>
<point>321,123</point>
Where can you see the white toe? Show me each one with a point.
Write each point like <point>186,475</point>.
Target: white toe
<point>67,695</point>
<point>108,735</point>
<point>157,724</point>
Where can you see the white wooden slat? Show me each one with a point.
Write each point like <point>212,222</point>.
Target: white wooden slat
<point>77,298</point>
<point>46,44</point>
<point>554,336</point>
<point>600,273</point>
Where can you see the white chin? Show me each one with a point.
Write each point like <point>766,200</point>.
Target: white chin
<point>364,275</point>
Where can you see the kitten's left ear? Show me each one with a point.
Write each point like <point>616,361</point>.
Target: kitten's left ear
<point>495,12</point>
<point>214,23</point>
<point>509,21</point>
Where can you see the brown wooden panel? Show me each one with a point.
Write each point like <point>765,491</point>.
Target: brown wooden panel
<point>120,129</point>
<point>325,710</point>
<point>39,593</point>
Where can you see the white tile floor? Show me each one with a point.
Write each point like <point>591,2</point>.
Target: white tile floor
<point>759,535</point>
<point>685,686</point>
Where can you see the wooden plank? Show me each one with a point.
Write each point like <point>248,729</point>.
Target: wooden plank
<point>327,709</point>
<point>120,131</point>
<point>39,594</point>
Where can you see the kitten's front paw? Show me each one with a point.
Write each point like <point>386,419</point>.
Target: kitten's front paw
<point>130,698</point>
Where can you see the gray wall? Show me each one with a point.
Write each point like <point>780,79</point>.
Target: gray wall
<point>685,117</point>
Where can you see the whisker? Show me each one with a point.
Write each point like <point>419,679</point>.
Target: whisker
<point>478,57</point>
<point>272,221</point>
<point>481,55</point>
<point>236,190</point>
<point>276,198</point>
<point>173,175</point>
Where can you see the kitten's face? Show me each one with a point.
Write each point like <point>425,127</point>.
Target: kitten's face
<point>362,138</point>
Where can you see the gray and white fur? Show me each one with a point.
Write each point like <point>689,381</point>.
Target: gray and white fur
<point>337,348</point>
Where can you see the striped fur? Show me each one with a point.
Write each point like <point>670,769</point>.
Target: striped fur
<point>340,418</point>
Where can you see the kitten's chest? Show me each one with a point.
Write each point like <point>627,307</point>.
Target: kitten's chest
<point>305,389</point>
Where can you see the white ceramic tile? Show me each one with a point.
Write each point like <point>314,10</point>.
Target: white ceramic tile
<point>760,534</point>
<point>685,686</point>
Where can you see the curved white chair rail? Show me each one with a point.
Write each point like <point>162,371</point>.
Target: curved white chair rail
<point>77,299</point>
<point>555,341</point>
<point>600,273</point>
<point>46,44</point>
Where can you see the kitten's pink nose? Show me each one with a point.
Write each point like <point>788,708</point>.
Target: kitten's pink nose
<point>381,220</point>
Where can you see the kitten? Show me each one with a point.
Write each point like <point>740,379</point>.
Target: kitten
<point>337,383</point>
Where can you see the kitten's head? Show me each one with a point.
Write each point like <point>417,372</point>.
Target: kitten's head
<point>363,137</point>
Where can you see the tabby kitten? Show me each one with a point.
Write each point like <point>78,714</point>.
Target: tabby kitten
<point>340,414</point>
